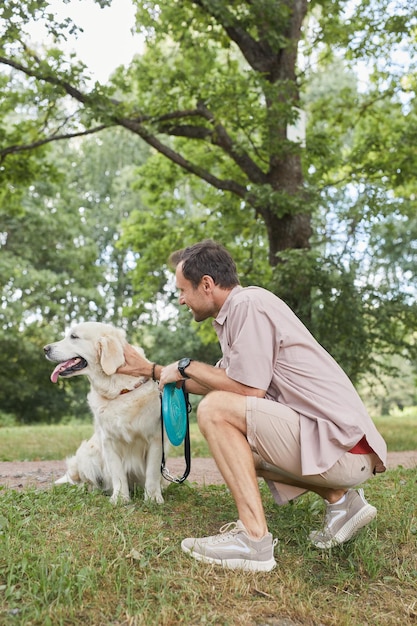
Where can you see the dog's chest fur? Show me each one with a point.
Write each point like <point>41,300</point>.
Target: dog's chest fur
<point>129,415</point>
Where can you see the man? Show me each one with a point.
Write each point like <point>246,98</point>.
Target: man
<point>276,406</point>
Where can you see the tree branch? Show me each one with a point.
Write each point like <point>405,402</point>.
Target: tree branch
<point>273,63</point>
<point>222,139</point>
<point>258,54</point>
<point>52,80</point>
<point>175,157</point>
<point>41,142</point>
<point>218,135</point>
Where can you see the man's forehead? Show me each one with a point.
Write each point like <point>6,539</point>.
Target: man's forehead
<point>179,276</point>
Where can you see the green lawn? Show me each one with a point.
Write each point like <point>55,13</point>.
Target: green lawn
<point>399,430</point>
<point>68,557</point>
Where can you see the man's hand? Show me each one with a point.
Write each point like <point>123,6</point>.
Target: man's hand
<point>170,374</point>
<point>135,364</point>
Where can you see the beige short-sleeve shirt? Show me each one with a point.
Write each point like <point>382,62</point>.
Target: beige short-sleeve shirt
<point>266,346</point>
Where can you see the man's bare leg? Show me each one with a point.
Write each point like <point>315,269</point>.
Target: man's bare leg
<point>222,420</point>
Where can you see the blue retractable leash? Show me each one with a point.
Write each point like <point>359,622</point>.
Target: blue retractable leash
<point>175,408</point>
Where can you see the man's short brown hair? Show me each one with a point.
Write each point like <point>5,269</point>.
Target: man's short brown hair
<point>206,257</point>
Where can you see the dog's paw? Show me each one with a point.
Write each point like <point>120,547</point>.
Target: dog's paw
<point>119,498</point>
<point>154,497</point>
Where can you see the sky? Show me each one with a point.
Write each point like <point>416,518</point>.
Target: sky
<point>106,42</point>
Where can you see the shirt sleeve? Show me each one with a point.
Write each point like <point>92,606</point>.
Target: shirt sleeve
<point>252,345</point>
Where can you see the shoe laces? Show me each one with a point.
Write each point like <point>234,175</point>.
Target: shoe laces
<point>226,531</point>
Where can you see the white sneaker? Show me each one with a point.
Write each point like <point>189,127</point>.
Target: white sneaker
<point>232,548</point>
<point>343,520</point>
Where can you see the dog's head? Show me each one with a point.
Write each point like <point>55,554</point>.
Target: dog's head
<point>87,348</point>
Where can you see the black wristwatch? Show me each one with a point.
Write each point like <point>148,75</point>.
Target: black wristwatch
<point>182,364</point>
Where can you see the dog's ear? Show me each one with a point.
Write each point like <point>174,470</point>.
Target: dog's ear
<point>111,354</point>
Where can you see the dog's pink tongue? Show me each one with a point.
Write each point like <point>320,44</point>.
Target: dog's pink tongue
<point>59,368</point>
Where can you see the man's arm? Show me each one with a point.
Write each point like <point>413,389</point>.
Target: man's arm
<point>204,378</point>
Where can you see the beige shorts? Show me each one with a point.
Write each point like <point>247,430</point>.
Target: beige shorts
<point>273,433</point>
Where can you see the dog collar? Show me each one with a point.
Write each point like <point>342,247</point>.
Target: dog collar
<point>123,391</point>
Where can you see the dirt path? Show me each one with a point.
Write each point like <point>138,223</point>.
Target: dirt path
<point>41,474</point>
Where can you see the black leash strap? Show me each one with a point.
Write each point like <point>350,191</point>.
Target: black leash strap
<point>187,449</point>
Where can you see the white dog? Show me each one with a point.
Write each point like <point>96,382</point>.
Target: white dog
<point>126,447</point>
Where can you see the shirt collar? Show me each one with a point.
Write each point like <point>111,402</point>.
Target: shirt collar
<point>222,314</point>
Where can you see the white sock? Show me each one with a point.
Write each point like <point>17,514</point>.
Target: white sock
<point>342,499</point>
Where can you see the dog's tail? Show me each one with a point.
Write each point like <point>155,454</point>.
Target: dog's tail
<point>66,478</point>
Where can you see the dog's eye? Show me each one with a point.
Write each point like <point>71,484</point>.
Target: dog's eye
<point>73,336</point>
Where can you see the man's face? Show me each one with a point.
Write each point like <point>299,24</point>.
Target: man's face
<point>198,300</point>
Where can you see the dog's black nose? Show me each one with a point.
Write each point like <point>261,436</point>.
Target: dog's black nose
<point>46,349</point>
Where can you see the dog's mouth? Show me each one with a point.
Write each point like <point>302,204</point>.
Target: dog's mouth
<point>66,368</point>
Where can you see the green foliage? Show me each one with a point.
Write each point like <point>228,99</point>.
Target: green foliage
<point>88,225</point>
<point>176,212</point>
<point>7,419</point>
<point>170,339</point>
<point>59,265</point>
<point>394,395</point>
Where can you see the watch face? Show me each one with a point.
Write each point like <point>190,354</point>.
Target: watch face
<point>182,364</point>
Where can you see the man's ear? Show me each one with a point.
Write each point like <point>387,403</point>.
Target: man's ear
<point>207,283</point>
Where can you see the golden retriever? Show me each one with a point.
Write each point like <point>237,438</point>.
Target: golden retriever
<point>126,447</point>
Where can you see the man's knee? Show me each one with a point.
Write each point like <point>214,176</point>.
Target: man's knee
<point>220,407</point>
<point>209,409</point>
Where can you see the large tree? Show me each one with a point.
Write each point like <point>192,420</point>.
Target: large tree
<point>222,76</point>
<point>216,95</point>
<point>219,75</point>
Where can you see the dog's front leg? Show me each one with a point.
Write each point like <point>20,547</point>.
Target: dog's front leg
<point>118,475</point>
<point>153,478</point>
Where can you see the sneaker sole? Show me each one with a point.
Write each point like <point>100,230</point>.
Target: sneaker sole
<point>243,564</point>
<point>358,521</point>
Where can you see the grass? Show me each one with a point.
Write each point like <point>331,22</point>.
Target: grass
<point>41,442</point>
<point>68,557</point>
<point>399,429</point>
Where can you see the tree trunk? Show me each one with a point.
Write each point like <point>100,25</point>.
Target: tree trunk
<point>288,226</point>
<point>289,232</point>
